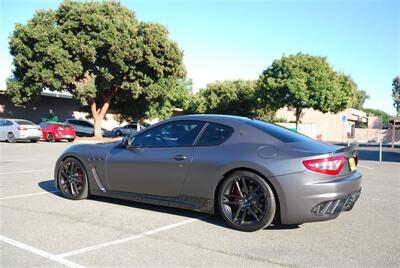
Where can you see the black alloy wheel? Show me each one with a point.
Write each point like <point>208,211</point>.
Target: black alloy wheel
<point>72,179</point>
<point>246,201</point>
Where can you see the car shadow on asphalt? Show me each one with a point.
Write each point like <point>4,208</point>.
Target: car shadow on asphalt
<point>48,186</point>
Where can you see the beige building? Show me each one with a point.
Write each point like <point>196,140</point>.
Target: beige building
<point>337,127</point>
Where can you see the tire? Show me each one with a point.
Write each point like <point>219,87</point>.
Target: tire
<point>11,137</point>
<point>246,201</point>
<point>50,137</point>
<point>118,133</point>
<point>72,179</point>
<point>71,140</point>
<point>34,141</point>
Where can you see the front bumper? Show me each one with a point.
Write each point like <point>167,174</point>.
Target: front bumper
<point>308,197</point>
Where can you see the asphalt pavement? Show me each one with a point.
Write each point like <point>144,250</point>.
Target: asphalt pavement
<point>41,228</point>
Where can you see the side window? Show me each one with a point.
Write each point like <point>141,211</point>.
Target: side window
<point>86,124</point>
<point>8,123</point>
<point>72,122</point>
<point>44,124</point>
<point>215,134</point>
<point>177,133</point>
<point>2,122</point>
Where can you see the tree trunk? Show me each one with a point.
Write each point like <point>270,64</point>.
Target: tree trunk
<point>98,116</point>
<point>298,116</point>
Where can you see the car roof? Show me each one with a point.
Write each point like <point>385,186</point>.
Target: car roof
<point>218,118</point>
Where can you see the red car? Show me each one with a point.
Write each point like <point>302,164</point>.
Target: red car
<point>54,131</point>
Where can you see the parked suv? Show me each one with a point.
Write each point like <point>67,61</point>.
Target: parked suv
<point>12,130</point>
<point>83,127</point>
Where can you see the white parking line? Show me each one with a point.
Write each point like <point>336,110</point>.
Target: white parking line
<point>26,171</point>
<point>40,252</point>
<point>25,195</point>
<point>130,238</point>
<point>362,166</point>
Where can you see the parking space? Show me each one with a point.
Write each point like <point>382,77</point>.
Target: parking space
<point>41,228</point>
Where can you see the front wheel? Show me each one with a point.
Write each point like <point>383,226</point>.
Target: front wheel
<point>246,201</point>
<point>72,179</point>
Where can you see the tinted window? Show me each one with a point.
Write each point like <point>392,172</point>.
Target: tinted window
<point>24,122</point>
<point>8,123</point>
<point>2,122</point>
<point>278,132</point>
<point>215,134</point>
<point>177,133</point>
<point>44,124</point>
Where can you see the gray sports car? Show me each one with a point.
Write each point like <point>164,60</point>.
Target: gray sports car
<point>251,172</point>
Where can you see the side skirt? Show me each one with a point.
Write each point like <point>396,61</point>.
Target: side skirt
<point>183,202</point>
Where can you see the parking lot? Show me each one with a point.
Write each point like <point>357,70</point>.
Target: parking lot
<point>41,228</point>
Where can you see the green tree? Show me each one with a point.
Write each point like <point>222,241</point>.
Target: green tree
<point>360,97</point>
<point>303,81</point>
<point>97,51</point>
<point>229,97</point>
<point>177,97</point>
<point>396,94</point>
<point>383,115</point>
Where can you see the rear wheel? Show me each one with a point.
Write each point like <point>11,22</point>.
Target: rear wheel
<point>118,133</point>
<point>246,201</point>
<point>71,140</point>
<point>50,137</point>
<point>72,179</point>
<point>34,141</point>
<point>10,137</point>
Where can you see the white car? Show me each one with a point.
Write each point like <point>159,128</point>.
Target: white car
<point>127,129</point>
<point>12,130</point>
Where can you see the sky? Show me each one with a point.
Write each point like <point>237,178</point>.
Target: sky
<point>224,40</point>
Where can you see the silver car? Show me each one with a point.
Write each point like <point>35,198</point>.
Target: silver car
<point>83,127</point>
<point>250,172</point>
<point>127,129</point>
<point>12,130</point>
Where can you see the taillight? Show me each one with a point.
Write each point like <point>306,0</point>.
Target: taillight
<point>328,165</point>
<point>22,128</point>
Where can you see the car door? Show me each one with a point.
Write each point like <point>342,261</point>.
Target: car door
<point>158,161</point>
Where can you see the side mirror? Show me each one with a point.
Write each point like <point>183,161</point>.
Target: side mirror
<point>127,141</point>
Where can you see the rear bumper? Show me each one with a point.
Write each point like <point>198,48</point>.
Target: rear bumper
<point>308,197</point>
<point>67,137</point>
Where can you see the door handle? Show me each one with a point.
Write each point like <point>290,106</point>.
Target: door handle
<point>179,157</point>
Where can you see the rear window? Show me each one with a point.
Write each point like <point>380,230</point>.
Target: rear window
<point>62,125</point>
<point>215,134</point>
<point>24,122</point>
<point>281,133</point>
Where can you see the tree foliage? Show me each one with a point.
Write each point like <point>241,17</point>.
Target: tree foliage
<point>396,94</point>
<point>235,97</point>
<point>100,53</point>
<point>383,115</point>
<point>360,97</point>
<point>304,81</point>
